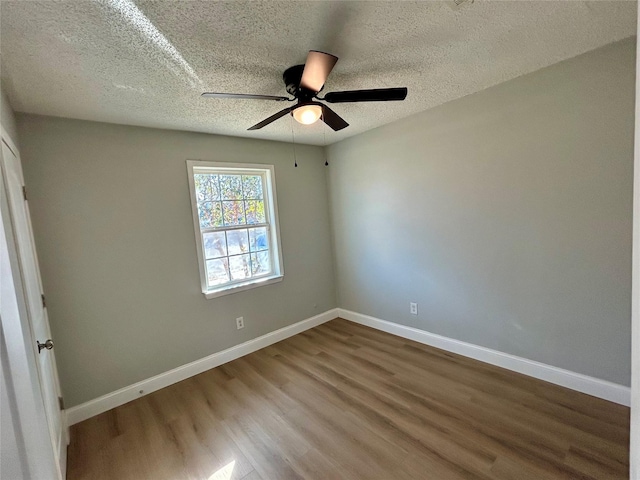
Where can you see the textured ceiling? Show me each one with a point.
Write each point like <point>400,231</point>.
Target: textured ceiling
<point>146,63</point>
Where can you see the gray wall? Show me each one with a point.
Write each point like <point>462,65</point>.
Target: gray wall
<point>506,215</point>
<point>114,232</point>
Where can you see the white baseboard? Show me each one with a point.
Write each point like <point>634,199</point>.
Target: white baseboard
<point>119,397</point>
<point>565,378</point>
<point>575,381</point>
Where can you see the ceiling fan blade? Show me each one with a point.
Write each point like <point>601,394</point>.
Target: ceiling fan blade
<point>272,118</point>
<point>316,70</point>
<point>243,96</point>
<point>375,95</point>
<point>331,118</point>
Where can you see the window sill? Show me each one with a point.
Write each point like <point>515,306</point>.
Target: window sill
<point>209,294</point>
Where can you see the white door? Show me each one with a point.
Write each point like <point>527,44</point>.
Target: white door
<point>37,312</point>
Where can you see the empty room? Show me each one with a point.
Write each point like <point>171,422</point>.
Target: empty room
<point>269,240</point>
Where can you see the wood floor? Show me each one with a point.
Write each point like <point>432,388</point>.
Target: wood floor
<point>343,401</point>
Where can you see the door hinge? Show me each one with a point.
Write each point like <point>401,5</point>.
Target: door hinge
<point>24,192</point>
<point>44,301</point>
<point>61,403</point>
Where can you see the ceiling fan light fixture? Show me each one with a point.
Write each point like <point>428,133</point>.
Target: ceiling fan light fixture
<point>307,114</point>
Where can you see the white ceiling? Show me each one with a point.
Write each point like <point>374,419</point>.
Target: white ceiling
<point>146,63</point>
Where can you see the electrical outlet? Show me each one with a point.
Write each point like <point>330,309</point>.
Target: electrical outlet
<point>240,322</point>
<point>413,308</point>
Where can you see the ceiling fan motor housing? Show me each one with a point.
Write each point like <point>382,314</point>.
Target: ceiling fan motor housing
<point>292,77</point>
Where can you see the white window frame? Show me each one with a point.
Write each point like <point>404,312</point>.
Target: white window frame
<point>271,213</point>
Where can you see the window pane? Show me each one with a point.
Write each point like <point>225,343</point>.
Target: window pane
<point>258,239</point>
<point>260,263</point>
<point>215,244</point>
<point>210,214</point>
<point>235,234</point>
<point>206,187</point>
<point>237,241</point>
<point>239,267</point>
<point>233,213</point>
<point>255,211</point>
<point>252,185</point>
<point>217,271</point>
<point>231,187</point>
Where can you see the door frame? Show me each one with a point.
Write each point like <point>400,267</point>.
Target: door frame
<point>32,423</point>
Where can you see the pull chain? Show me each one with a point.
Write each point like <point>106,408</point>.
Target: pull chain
<point>324,134</point>
<point>293,140</point>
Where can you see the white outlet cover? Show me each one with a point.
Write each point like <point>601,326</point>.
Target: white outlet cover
<point>413,308</point>
<point>240,322</point>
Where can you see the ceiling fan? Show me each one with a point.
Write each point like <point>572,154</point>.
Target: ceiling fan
<point>304,82</point>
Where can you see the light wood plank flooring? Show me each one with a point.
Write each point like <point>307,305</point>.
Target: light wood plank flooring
<point>343,401</point>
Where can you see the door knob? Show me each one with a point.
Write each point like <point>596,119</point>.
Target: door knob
<point>48,345</point>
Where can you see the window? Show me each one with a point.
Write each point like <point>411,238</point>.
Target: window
<point>236,226</point>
